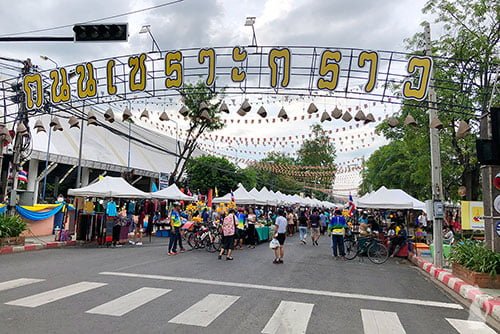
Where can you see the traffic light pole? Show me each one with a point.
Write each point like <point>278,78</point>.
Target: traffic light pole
<point>437,183</point>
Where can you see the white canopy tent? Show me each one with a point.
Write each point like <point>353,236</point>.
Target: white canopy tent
<point>241,197</point>
<point>385,198</point>
<point>109,187</point>
<point>172,192</point>
<point>268,196</point>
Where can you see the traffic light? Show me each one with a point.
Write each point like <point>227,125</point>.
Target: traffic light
<point>100,32</point>
<point>488,150</point>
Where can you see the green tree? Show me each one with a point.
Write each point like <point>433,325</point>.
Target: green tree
<point>201,120</point>
<point>463,75</point>
<point>317,151</point>
<point>210,172</point>
<point>275,181</point>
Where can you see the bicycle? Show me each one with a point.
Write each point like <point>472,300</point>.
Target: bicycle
<point>206,237</point>
<point>377,253</point>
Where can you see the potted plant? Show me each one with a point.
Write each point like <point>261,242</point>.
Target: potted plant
<point>475,264</point>
<point>11,228</point>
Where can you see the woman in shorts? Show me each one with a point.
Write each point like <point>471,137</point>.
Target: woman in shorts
<point>280,225</point>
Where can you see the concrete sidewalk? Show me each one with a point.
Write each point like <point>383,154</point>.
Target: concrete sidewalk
<point>36,243</point>
<point>488,300</point>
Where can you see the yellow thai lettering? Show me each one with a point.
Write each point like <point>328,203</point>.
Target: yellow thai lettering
<point>173,68</point>
<point>137,65</point>
<point>60,90</point>
<point>86,85</point>
<point>372,57</point>
<point>418,91</point>
<point>274,55</point>
<point>239,55</point>
<point>33,97</point>
<point>110,73</point>
<point>329,66</point>
<point>210,55</point>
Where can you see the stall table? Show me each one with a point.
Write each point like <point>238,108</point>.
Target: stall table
<point>262,233</point>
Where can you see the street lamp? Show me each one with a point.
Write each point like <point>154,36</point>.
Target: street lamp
<point>250,22</point>
<point>49,59</point>
<point>147,29</point>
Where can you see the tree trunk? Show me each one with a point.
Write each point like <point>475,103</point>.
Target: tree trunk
<point>470,179</point>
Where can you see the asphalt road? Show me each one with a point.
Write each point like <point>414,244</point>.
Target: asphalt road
<point>142,290</point>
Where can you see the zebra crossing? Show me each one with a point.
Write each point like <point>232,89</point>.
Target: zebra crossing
<point>289,317</point>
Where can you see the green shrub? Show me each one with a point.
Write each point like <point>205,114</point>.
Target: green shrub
<point>11,226</point>
<point>474,256</point>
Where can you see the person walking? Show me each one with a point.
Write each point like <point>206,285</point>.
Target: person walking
<point>175,227</point>
<point>302,227</point>
<point>337,228</point>
<point>228,229</point>
<point>291,223</point>
<point>280,235</point>
<point>314,224</point>
<point>322,220</point>
<point>251,220</point>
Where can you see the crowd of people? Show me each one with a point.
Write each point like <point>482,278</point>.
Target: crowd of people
<point>237,226</point>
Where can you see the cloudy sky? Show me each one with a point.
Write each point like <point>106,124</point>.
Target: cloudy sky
<point>367,24</point>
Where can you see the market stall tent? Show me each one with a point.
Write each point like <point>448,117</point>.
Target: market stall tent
<point>269,197</point>
<point>385,198</point>
<point>108,187</point>
<point>172,192</point>
<point>241,197</point>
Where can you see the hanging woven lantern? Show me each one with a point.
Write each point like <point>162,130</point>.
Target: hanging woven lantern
<point>312,109</point>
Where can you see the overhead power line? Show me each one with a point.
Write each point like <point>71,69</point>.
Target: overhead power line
<point>95,20</point>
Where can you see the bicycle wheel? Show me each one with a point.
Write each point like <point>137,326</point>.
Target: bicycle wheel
<point>377,253</point>
<point>217,241</point>
<point>351,249</point>
<point>208,243</point>
<point>191,240</point>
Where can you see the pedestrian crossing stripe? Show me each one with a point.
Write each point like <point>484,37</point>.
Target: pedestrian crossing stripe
<point>123,305</point>
<point>16,283</point>
<point>378,322</point>
<point>204,312</point>
<point>56,294</point>
<point>470,326</point>
<point>289,317</point>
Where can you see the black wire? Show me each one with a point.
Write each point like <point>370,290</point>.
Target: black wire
<point>94,20</point>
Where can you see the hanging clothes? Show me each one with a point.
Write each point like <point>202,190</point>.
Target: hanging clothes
<point>111,210</point>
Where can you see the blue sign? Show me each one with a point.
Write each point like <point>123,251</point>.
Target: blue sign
<point>497,228</point>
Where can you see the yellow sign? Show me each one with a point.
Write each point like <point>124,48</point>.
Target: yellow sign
<point>472,215</point>
<point>140,73</point>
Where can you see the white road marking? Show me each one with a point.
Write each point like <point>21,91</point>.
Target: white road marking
<point>129,302</point>
<point>56,294</point>
<point>289,318</point>
<point>16,283</point>
<point>470,327</point>
<point>205,311</point>
<point>293,290</point>
<point>381,322</point>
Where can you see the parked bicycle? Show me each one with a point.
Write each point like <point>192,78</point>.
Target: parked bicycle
<point>207,237</point>
<point>372,247</point>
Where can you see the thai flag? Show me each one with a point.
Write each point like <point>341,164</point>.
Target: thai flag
<point>232,197</point>
<point>352,206</point>
<point>22,176</point>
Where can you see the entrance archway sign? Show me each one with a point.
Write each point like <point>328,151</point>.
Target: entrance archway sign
<point>299,70</point>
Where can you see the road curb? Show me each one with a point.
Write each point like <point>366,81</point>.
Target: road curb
<point>33,247</point>
<point>489,304</point>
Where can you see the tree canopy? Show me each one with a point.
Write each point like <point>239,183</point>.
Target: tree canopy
<point>464,75</point>
<point>203,115</point>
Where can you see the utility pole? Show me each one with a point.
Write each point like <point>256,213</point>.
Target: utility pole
<point>437,183</point>
<point>19,138</point>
